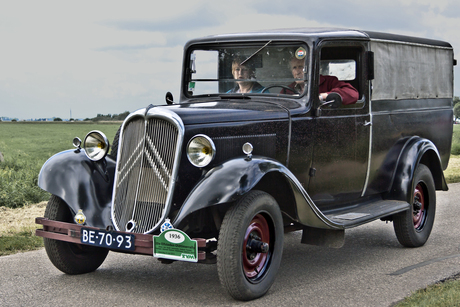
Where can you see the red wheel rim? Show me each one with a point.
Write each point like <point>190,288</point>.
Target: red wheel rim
<point>418,207</point>
<point>254,263</point>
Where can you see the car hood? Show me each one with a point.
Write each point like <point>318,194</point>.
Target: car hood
<point>228,111</point>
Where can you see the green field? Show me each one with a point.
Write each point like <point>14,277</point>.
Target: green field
<point>26,146</point>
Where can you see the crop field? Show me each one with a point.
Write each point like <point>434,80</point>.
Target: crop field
<point>25,146</point>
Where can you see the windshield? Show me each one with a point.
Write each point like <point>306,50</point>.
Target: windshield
<point>266,69</point>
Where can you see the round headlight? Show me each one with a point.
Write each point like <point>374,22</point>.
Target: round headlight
<point>96,145</point>
<point>201,150</point>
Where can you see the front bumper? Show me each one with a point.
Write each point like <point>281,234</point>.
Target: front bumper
<point>69,232</point>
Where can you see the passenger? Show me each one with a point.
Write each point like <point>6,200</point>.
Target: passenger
<point>244,72</point>
<point>327,84</point>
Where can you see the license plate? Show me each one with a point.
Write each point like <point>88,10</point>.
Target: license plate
<point>107,239</point>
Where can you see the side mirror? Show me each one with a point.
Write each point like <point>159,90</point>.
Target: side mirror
<point>370,65</point>
<point>169,98</point>
<point>333,100</point>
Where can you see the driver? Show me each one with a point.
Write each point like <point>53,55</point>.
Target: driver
<point>327,84</point>
<point>244,73</point>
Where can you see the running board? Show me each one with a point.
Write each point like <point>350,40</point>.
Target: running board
<point>349,217</point>
<point>365,213</point>
<point>308,214</point>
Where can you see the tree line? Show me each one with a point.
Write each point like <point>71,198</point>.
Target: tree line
<point>101,117</point>
<point>456,108</point>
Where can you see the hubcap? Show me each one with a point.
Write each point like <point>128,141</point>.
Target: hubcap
<point>255,259</point>
<point>419,209</point>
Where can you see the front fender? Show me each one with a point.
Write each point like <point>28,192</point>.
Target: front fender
<point>81,183</point>
<point>226,183</point>
<point>231,180</point>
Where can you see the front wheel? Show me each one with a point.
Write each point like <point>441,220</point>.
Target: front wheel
<point>70,258</point>
<point>250,246</point>
<point>114,150</point>
<point>413,227</point>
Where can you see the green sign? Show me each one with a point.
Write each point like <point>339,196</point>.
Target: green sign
<point>191,86</point>
<point>176,245</point>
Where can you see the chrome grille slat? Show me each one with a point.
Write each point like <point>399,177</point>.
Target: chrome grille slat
<point>156,170</point>
<point>145,172</point>
<point>126,195</point>
<point>127,164</point>
<point>157,155</point>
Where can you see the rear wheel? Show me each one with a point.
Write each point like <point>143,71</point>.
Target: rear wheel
<point>250,246</point>
<point>413,227</point>
<point>70,258</point>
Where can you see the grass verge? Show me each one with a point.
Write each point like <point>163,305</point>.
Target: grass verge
<point>19,242</point>
<point>445,293</point>
<point>452,173</point>
<point>17,229</point>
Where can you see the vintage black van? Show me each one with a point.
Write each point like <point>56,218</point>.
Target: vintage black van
<point>254,149</point>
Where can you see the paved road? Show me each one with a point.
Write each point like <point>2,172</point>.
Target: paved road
<point>372,269</point>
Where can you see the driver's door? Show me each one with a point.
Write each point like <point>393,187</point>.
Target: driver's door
<point>341,135</point>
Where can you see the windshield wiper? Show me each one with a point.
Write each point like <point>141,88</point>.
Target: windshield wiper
<point>252,55</point>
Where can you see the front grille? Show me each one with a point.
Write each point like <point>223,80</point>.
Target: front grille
<point>145,173</point>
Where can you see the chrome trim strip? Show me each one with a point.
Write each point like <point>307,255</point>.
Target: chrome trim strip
<point>371,131</point>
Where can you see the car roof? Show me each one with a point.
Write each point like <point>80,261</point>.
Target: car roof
<point>316,34</point>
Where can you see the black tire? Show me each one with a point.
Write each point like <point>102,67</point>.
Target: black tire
<point>114,147</point>
<point>247,274</point>
<point>413,227</point>
<point>70,258</point>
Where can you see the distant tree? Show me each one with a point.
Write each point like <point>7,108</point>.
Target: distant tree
<point>120,116</point>
<point>14,120</point>
<point>457,111</point>
<point>57,119</point>
<point>456,100</point>
<point>109,117</point>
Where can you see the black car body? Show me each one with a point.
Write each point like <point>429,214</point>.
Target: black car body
<point>239,169</point>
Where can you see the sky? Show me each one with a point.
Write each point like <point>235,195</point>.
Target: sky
<point>82,58</point>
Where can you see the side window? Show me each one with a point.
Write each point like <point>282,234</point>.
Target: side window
<point>343,62</point>
<point>344,70</point>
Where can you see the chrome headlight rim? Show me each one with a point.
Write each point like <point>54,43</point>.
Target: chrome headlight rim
<point>96,145</point>
<point>201,150</point>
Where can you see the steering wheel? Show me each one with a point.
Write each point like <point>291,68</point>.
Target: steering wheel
<point>282,86</point>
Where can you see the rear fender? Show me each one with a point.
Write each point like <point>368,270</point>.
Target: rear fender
<point>81,183</point>
<point>416,150</point>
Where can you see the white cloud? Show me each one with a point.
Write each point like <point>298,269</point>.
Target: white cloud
<point>113,56</point>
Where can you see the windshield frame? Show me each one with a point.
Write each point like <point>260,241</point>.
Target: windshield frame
<point>253,50</point>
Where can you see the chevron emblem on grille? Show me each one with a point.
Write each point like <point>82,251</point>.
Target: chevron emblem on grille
<point>154,159</point>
